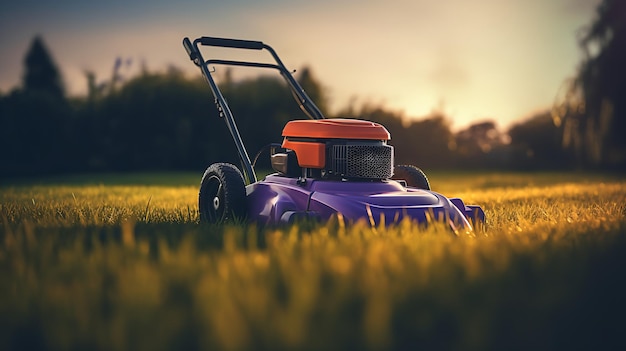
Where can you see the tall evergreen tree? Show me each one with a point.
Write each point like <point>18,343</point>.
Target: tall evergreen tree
<point>41,73</point>
<point>37,120</point>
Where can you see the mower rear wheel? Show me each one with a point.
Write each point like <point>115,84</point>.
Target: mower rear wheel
<point>222,194</point>
<point>413,176</point>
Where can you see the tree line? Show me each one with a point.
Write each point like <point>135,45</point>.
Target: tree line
<point>166,121</point>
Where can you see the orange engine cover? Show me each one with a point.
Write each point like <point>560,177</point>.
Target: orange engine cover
<point>303,137</point>
<point>337,128</point>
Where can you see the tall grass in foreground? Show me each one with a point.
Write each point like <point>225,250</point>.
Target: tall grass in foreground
<point>129,268</point>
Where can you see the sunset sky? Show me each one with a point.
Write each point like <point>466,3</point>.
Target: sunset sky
<point>477,60</point>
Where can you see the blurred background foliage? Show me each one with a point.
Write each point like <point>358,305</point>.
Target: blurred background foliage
<point>166,121</point>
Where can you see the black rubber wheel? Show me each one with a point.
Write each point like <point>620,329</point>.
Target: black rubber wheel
<point>413,176</point>
<point>222,194</point>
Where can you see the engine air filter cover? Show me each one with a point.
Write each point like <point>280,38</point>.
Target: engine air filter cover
<point>361,160</point>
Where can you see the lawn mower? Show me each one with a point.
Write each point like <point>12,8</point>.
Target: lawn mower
<point>324,168</point>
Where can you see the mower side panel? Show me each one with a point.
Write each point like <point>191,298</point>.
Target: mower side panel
<point>268,201</point>
<point>473,212</point>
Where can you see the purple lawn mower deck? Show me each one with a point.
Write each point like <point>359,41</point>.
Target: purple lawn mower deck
<point>387,201</point>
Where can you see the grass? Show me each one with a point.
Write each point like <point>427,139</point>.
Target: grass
<point>108,263</point>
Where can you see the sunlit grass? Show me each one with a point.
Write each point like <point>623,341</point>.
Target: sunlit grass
<point>98,205</point>
<point>129,267</point>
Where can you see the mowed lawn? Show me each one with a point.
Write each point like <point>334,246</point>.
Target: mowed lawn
<point>120,262</point>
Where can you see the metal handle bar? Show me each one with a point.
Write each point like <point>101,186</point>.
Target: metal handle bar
<point>232,43</point>
<point>306,104</point>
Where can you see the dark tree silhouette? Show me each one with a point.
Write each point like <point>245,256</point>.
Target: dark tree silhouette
<point>481,145</point>
<point>594,109</point>
<point>41,73</point>
<point>535,144</point>
<point>313,89</point>
<point>36,121</point>
<point>428,142</point>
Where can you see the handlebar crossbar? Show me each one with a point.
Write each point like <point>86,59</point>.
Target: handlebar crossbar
<point>243,64</point>
<point>232,43</point>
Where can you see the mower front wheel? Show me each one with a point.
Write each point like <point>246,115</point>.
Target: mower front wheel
<point>222,194</point>
<point>413,176</point>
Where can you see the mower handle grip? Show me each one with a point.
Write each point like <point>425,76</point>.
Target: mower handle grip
<point>232,43</point>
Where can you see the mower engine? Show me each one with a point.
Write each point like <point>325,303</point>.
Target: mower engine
<point>335,148</point>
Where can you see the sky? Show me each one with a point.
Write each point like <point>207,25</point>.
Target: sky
<point>500,60</point>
